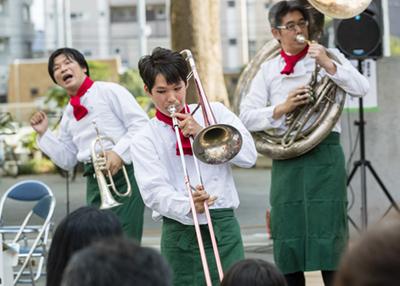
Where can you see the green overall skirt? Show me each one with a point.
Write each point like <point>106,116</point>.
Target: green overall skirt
<point>130,213</point>
<point>309,209</point>
<point>180,247</point>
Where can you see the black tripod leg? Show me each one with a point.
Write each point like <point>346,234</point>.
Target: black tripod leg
<point>389,196</point>
<point>356,165</point>
<point>353,223</point>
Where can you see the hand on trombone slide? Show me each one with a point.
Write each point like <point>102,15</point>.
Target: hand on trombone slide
<point>199,196</point>
<point>188,125</point>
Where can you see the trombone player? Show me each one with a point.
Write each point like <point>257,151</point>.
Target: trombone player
<point>308,193</point>
<point>118,116</point>
<point>161,179</point>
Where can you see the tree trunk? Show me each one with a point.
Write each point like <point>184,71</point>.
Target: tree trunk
<point>195,26</point>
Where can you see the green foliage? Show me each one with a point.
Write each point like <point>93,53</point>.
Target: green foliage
<point>37,166</point>
<point>147,104</point>
<point>29,142</point>
<point>99,71</point>
<point>132,81</point>
<point>394,45</point>
<point>57,94</point>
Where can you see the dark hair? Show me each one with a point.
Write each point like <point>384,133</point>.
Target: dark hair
<point>70,54</point>
<point>253,272</point>
<point>117,262</point>
<point>170,64</point>
<point>375,259</point>
<point>76,231</point>
<point>282,8</point>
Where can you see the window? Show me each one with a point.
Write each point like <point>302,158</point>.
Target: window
<point>87,53</point>
<point>232,42</point>
<point>117,50</point>
<point>150,15</point>
<point>34,91</point>
<point>252,49</point>
<point>3,45</point>
<point>123,14</point>
<point>79,16</point>
<point>26,14</point>
<point>160,13</point>
<point>231,3</point>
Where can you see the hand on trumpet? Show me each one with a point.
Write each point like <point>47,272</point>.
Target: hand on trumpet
<point>317,52</point>
<point>199,196</point>
<point>40,122</point>
<point>188,125</point>
<point>114,162</point>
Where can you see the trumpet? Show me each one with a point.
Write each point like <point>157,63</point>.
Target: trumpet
<point>107,200</point>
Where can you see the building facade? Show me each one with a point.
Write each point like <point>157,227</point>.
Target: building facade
<point>16,37</point>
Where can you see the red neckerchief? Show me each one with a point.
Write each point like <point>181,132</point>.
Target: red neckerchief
<point>291,61</point>
<point>187,149</point>
<point>79,110</point>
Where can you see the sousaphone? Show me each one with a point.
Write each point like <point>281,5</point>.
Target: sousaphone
<point>327,98</point>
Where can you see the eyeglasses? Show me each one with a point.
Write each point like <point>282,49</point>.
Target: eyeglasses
<point>292,27</point>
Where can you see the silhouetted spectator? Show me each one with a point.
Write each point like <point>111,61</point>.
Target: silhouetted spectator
<point>375,259</point>
<point>117,262</point>
<point>76,231</point>
<point>253,272</point>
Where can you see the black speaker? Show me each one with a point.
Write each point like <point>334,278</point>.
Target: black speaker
<point>360,37</point>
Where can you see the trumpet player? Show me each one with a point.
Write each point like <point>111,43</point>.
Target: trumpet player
<point>308,193</point>
<point>118,116</point>
<point>160,176</point>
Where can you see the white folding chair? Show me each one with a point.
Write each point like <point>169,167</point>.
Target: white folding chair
<point>30,191</point>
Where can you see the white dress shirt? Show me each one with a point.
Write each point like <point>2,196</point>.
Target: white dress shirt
<point>270,86</point>
<point>160,176</point>
<point>117,115</point>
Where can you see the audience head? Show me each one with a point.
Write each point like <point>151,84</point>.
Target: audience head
<point>375,259</point>
<point>253,272</point>
<point>117,262</point>
<point>76,231</point>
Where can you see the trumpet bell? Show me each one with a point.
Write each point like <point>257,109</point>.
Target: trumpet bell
<point>109,203</point>
<point>217,144</point>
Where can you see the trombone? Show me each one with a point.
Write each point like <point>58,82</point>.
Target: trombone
<point>107,200</point>
<point>215,144</point>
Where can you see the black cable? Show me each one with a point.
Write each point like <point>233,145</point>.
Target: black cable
<point>348,165</point>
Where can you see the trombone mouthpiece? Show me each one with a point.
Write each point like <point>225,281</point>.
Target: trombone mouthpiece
<point>301,39</point>
<point>171,108</point>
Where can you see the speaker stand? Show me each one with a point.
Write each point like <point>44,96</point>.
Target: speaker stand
<point>363,164</point>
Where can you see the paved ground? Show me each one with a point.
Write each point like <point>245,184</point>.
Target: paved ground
<point>252,185</point>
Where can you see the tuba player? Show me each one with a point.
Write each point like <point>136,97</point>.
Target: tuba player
<point>308,193</point>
